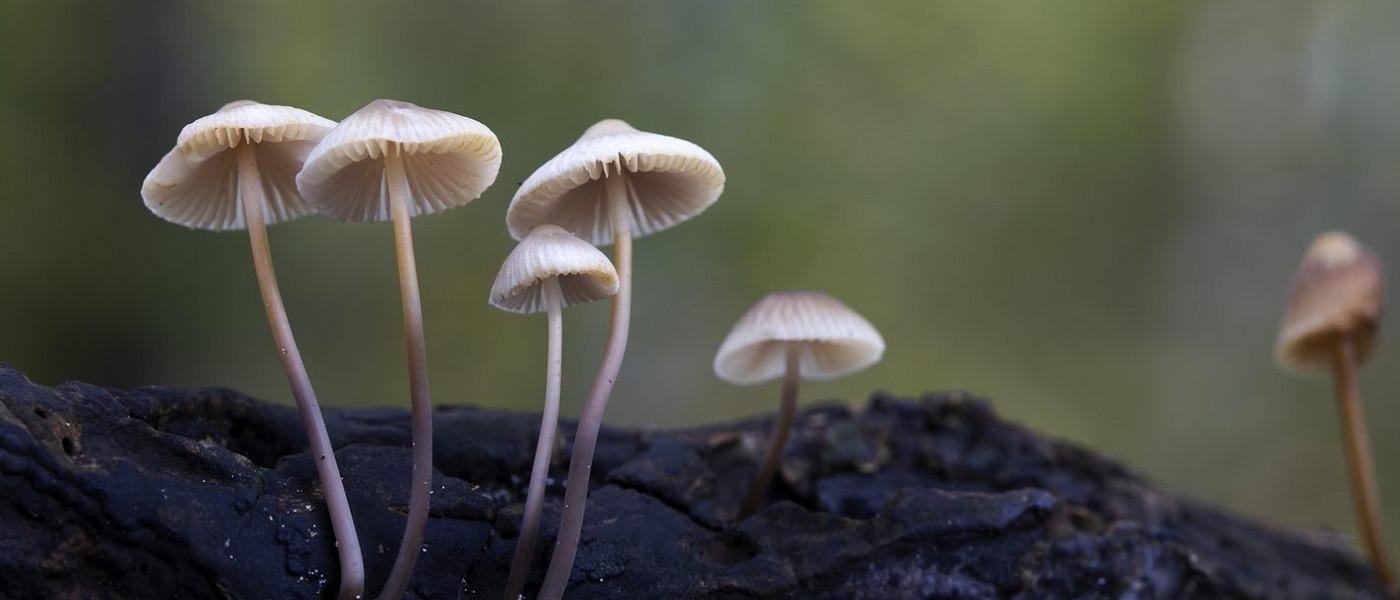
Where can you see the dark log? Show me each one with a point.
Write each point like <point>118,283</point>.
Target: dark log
<point>170,493</point>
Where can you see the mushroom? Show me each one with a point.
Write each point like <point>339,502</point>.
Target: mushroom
<point>1330,323</point>
<point>613,184</point>
<point>549,270</point>
<point>394,160</point>
<point>793,335</point>
<point>234,169</point>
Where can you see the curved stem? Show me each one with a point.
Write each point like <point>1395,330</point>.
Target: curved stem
<point>1362,475</point>
<point>544,447</point>
<point>422,407</point>
<point>586,437</point>
<point>250,193</point>
<point>758,490</point>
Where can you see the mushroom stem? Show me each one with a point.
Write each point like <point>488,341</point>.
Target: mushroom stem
<point>1363,478</point>
<point>758,489</point>
<point>544,448</point>
<point>422,406</point>
<point>342,524</point>
<point>250,192</point>
<point>586,436</point>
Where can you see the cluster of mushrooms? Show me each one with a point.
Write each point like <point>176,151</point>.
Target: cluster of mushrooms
<point>250,165</point>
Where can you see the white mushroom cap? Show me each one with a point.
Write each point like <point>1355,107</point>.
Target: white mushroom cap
<point>833,340</point>
<point>585,273</point>
<point>671,180</point>
<point>196,183</point>
<point>449,160</point>
<point>1339,290</point>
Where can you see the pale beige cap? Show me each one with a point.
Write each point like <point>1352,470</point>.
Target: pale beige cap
<point>585,273</point>
<point>833,339</point>
<point>448,159</point>
<point>1339,290</point>
<point>671,180</point>
<point>196,183</point>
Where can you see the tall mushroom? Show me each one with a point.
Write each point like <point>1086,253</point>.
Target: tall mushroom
<point>234,169</point>
<point>794,335</point>
<point>1330,323</point>
<point>394,160</point>
<point>549,270</point>
<point>613,184</point>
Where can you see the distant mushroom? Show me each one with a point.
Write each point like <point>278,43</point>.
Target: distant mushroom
<point>613,184</point>
<point>1330,323</point>
<point>394,160</point>
<point>548,270</point>
<point>234,169</point>
<point>794,335</point>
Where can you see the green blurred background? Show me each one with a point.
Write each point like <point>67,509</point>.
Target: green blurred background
<point>1088,211</point>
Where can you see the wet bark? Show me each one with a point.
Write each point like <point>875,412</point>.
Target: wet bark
<point>165,493</point>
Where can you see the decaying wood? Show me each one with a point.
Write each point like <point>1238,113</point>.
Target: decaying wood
<point>168,493</point>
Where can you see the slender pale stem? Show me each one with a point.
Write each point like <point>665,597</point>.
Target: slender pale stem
<point>586,437</point>
<point>758,489</point>
<point>1362,474</point>
<point>422,407</point>
<point>250,192</point>
<point>544,447</point>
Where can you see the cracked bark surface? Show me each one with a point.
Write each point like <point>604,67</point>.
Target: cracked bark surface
<point>170,493</point>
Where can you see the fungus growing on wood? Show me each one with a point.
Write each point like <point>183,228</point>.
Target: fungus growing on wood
<point>394,160</point>
<point>613,184</point>
<point>794,335</point>
<point>235,169</point>
<point>1330,324</point>
<point>549,270</point>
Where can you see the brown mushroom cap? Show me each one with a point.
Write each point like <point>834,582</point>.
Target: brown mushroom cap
<point>585,273</point>
<point>448,159</point>
<point>196,183</point>
<point>834,340</point>
<point>1339,290</point>
<point>671,179</point>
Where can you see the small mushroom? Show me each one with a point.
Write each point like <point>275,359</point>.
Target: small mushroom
<point>548,270</point>
<point>394,160</point>
<point>1330,324</point>
<point>613,184</point>
<point>794,335</point>
<point>234,169</point>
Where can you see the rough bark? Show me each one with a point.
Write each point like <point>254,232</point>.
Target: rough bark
<point>169,493</point>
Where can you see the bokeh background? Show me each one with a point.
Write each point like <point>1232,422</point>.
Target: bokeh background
<point>1087,211</point>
